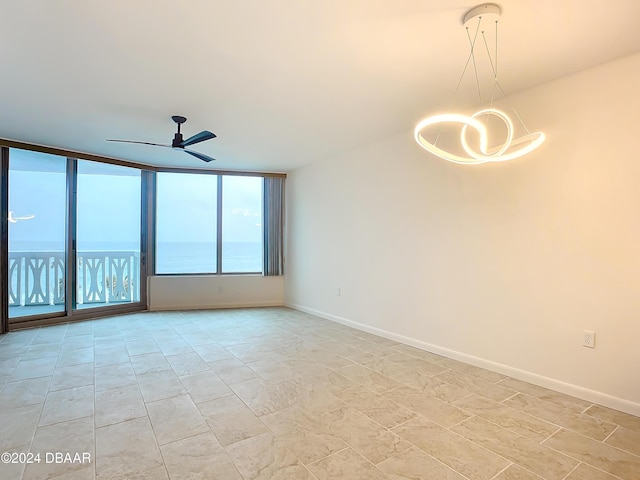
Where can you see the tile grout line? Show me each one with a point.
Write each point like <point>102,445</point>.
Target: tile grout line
<point>502,471</point>
<point>95,441</point>
<point>560,427</point>
<point>582,461</point>
<point>572,470</point>
<point>520,435</point>
<point>35,431</point>
<point>600,470</point>
<point>475,443</point>
<point>330,455</point>
<point>584,412</point>
<point>612,432</point>
<point>512,396</point>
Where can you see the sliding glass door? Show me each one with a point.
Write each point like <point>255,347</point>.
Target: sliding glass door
<point>37,233</point>
<point>74,238</point>
<point>107,235</point>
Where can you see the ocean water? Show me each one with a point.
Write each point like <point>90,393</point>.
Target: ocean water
<point>237,257</point>
<point>171,257</point>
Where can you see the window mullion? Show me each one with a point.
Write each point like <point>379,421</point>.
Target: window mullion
<point>219,227</point>
<point>4,239</point>
<point>71,237</point>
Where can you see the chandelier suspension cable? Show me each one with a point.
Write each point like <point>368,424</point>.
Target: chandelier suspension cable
<point>493,62</point>
<point>464,70</point>
<point>466,65</point>
<point>496,46</point>
<point>494,68</point>
<point>498,85</point>
<point>473,56</point>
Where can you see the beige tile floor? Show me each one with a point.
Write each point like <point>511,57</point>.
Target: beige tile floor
<point>278,394</point>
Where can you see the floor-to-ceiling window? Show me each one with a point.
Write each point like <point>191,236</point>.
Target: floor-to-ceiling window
<point>37,233</point>
<point>208,223</point>
<point>186,219</point>
<point>242,236</point>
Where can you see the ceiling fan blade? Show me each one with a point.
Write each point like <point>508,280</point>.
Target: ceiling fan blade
<point>201,156</point>
<point>197,138</point>
<point>142,143</point>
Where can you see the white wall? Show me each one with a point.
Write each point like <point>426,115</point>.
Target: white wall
<point>186,292</point>
<point>502,265</point>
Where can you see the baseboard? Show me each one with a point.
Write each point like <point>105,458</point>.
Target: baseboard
<point>217,306</point>
<point>589,395</point>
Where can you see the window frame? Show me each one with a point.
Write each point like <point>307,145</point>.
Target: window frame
<point>219,223</point>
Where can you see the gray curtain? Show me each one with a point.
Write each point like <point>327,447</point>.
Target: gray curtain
<point>273,221</point>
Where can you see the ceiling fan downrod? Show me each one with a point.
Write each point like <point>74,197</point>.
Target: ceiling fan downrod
<point>177,138</point>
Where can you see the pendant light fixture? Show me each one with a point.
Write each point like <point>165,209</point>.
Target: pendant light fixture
<point>475,22</point>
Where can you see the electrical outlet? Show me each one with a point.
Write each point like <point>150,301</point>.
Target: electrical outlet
<point>589,339</point>
<point>338,292</point>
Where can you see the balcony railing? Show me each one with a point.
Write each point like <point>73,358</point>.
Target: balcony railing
<point>37,278</point>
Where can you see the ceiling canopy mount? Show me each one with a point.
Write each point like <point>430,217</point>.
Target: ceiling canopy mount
<point>489,11</point>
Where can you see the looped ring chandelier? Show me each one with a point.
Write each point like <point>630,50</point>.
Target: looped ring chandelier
<point>511,147</point>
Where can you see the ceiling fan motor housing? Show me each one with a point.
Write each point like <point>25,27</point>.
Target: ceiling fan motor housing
<point>177,141</point>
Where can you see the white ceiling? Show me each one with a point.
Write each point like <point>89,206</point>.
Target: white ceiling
<point>281,82</point>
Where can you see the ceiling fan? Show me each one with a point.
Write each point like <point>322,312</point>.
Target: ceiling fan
<point>179,143</point>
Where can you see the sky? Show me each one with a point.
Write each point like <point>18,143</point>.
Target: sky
<point>109,204</point>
